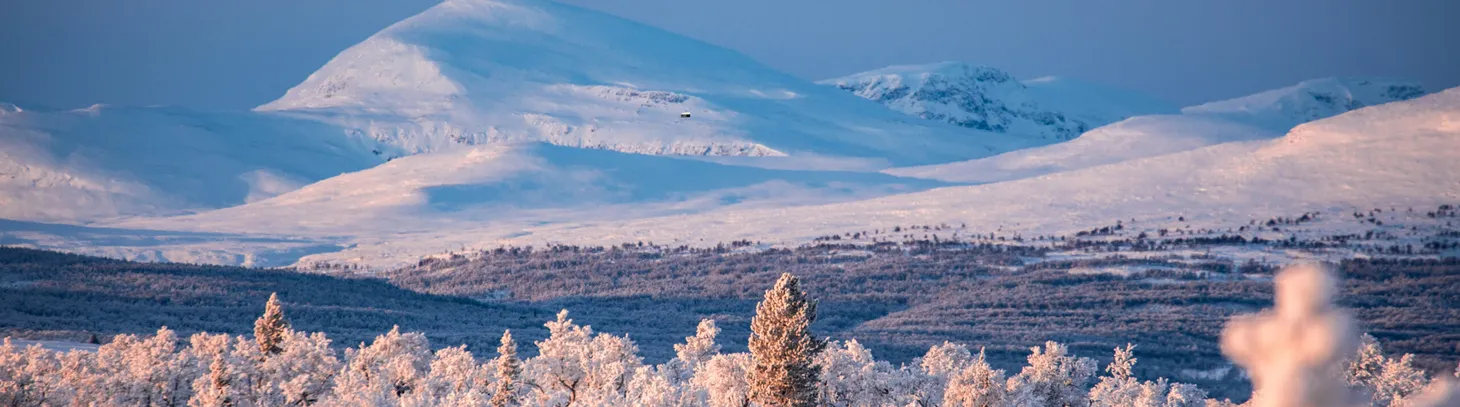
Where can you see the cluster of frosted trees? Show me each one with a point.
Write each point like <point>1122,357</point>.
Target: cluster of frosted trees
<point>1303,353</point>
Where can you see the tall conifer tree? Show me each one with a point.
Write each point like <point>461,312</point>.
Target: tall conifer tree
<point>783,373</point>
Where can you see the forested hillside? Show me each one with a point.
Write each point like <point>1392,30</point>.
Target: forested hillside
<point>49,295</point>
<point>788,364</point>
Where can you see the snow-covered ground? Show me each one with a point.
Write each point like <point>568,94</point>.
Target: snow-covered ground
<point>529,183</point>
<point>102,162</point>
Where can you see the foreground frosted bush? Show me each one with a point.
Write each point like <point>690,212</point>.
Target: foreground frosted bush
<point>1304,352</point>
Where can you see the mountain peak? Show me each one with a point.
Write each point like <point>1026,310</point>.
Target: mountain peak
<point>1313,99</point>
<point>469,72</point>
<point>990,99</point>
<point>946,70</point>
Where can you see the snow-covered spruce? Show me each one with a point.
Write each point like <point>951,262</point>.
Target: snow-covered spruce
<point>576,367</point>
<point>782,347</point>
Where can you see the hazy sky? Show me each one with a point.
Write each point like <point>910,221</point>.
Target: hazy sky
<point>239,54</point>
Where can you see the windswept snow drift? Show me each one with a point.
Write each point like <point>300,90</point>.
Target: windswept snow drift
<point>470,72</point>
<point>1044,110</point>
<point>1265,115</point>
<point>101,162</point>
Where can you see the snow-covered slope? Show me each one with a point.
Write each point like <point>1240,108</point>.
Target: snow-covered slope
<point>469,72</point>
<point>529,183</point>
<point>1137,137</point>
<point>1260,116</point>
<point>1311,100</point>
<point>1402,154</point>
<point>101,162</point>
<point>1047,109</point>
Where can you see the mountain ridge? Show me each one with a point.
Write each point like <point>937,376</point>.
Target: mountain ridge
<point>1263,115</point>
<point>990,99</point>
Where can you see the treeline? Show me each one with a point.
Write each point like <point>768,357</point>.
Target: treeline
<point>50,295</point>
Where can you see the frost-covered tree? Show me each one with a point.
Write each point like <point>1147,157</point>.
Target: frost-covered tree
<point>574,367</point>
<point>851,377</point>
<point>975,385</point>
<point>654,387</point>
<point>270,328</point>
<point>946,359</point>
<point>671,384</point>
<point>1052,378</point>
<point>454,379</point>
<point>508,373</point>
<point>1293,352</point>
<point>784,373</point>
<point>139,371</point>
<point>303,372</point>
<point>30,377</point>
<point>384,372</point>
<point>1122,389</point>
<point>1388,381</point>
<point>214,389</point>
<point>238,372</point>
<point>695,351</point>
<point>724,379</point>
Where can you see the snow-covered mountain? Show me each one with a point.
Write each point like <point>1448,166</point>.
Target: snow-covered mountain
<point>1265,115</point>
<point>1312,100</point>
<point>1049,109</point>
<point>1401,154</point>
<point>101,162</point>
<point>463,73</point>
<point>470,72</point>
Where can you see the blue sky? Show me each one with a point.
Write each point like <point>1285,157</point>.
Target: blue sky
<point>238,54</point>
